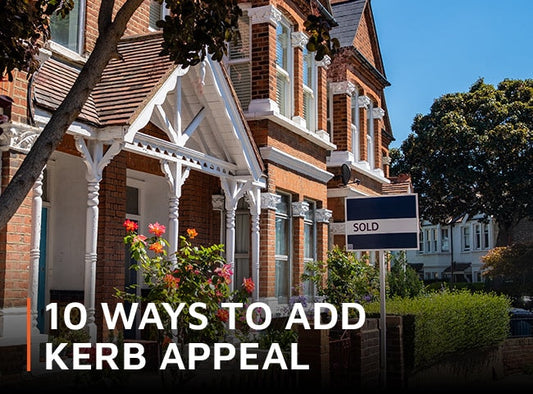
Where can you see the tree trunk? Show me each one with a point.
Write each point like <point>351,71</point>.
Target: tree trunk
<point>505,234</point>
<point>104,50</point>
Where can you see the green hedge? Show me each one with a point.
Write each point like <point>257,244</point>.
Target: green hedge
<point>448,322</point>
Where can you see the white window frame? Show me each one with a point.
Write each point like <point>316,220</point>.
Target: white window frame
<point>486,236</point>
<point>75,38</point>
<point>163,11</point>
<point>310,220</point>
<point>355,126</point>
<point>245,59</point>
<point>310,90</point>
<point>466,238</point>
<point>445,240</point>
<point>478,234</point>
<point>370,136</point>
<point>242,258</point>
<point>285,75</point>
<point>284,298</point>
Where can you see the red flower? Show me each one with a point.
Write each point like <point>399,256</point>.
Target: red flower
<point>223,315</point>
<point>226,272</point>
<point>171,281</point>
<point>248,285</point>
<point>156,229</point>
<point>157,247</point>
<point>130,225</point>
<point>139,238</point>
<point>192,233</point>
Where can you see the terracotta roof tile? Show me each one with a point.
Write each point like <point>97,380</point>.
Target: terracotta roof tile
<point>125,85</point>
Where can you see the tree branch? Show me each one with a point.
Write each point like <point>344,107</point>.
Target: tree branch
<point>52,134</point>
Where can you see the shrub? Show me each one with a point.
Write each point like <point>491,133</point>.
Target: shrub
<point>449,322</point>
<point>343,278</point>
<point>402,279</point>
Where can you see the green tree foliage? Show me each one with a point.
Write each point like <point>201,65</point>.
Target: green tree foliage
<point>403,281</point>
<point>397,165</point>
<point>193,29</point>
<point>473,153</point>
<point>510,269</point>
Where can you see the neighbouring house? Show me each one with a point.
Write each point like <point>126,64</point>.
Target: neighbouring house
<point>358,121</point>
<point>248,152</point>
<point>453,251</point>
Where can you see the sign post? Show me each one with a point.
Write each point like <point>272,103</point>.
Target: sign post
<point>380,224</point>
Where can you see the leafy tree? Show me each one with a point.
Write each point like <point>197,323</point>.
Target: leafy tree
<point>194,29</point>
<point>473,153</point>
<point>509,269</point>
<point>397,165</point>
<point>402,279</point>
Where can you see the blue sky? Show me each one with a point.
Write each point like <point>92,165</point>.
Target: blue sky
<point>431,48</point>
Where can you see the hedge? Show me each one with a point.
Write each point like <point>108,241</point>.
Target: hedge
<point>448,322</point>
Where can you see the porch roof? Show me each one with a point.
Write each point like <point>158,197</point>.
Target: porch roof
<point>196,107</point>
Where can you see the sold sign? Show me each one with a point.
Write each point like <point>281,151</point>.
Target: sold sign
<point>382,223</point>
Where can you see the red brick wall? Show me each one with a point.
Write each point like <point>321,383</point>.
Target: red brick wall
<point>298,253</point>
<point>517,355</point>
<point>322,99</point>
<point>267,250</point>
<point>17,90</point>
<point>196,209</point>
<point>137,25</point>
<point>15,241</point>
<point>298,83</point>
<point>263,61</point>
<point>363,41</point>
<point>342,118</point>
<point>110,270</point>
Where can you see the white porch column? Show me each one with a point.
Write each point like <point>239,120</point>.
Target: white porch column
<point>175,174</point>
<point>254,202</point>
<point>35,252</point>
<point>233,191</point>
<point>96,160</point>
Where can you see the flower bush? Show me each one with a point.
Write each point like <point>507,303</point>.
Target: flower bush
<point>192,274</point>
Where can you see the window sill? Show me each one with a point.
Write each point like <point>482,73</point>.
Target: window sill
<point>338,158</point>
<point>267,109</point>
<point>65,53</point>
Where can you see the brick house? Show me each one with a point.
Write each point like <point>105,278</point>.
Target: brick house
<point>249,152</point>
<point>358,120</point>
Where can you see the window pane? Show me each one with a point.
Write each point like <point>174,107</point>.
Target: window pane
<point>65,31</point>
<point>309,242</point>
<point>282,236</point>
<point>282,280</point>
<point>445,245</point>
<point>282,45</point>
<point>155,13</point>
<point>132,200</point>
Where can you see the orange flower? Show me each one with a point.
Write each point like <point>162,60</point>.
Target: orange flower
<point>130,225</point>
<point>156,229</point>
<point>157,247</point>
<point>223,315</point>
<point>171,281</point>
<point>192,233</point>
<point>248,285</point>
